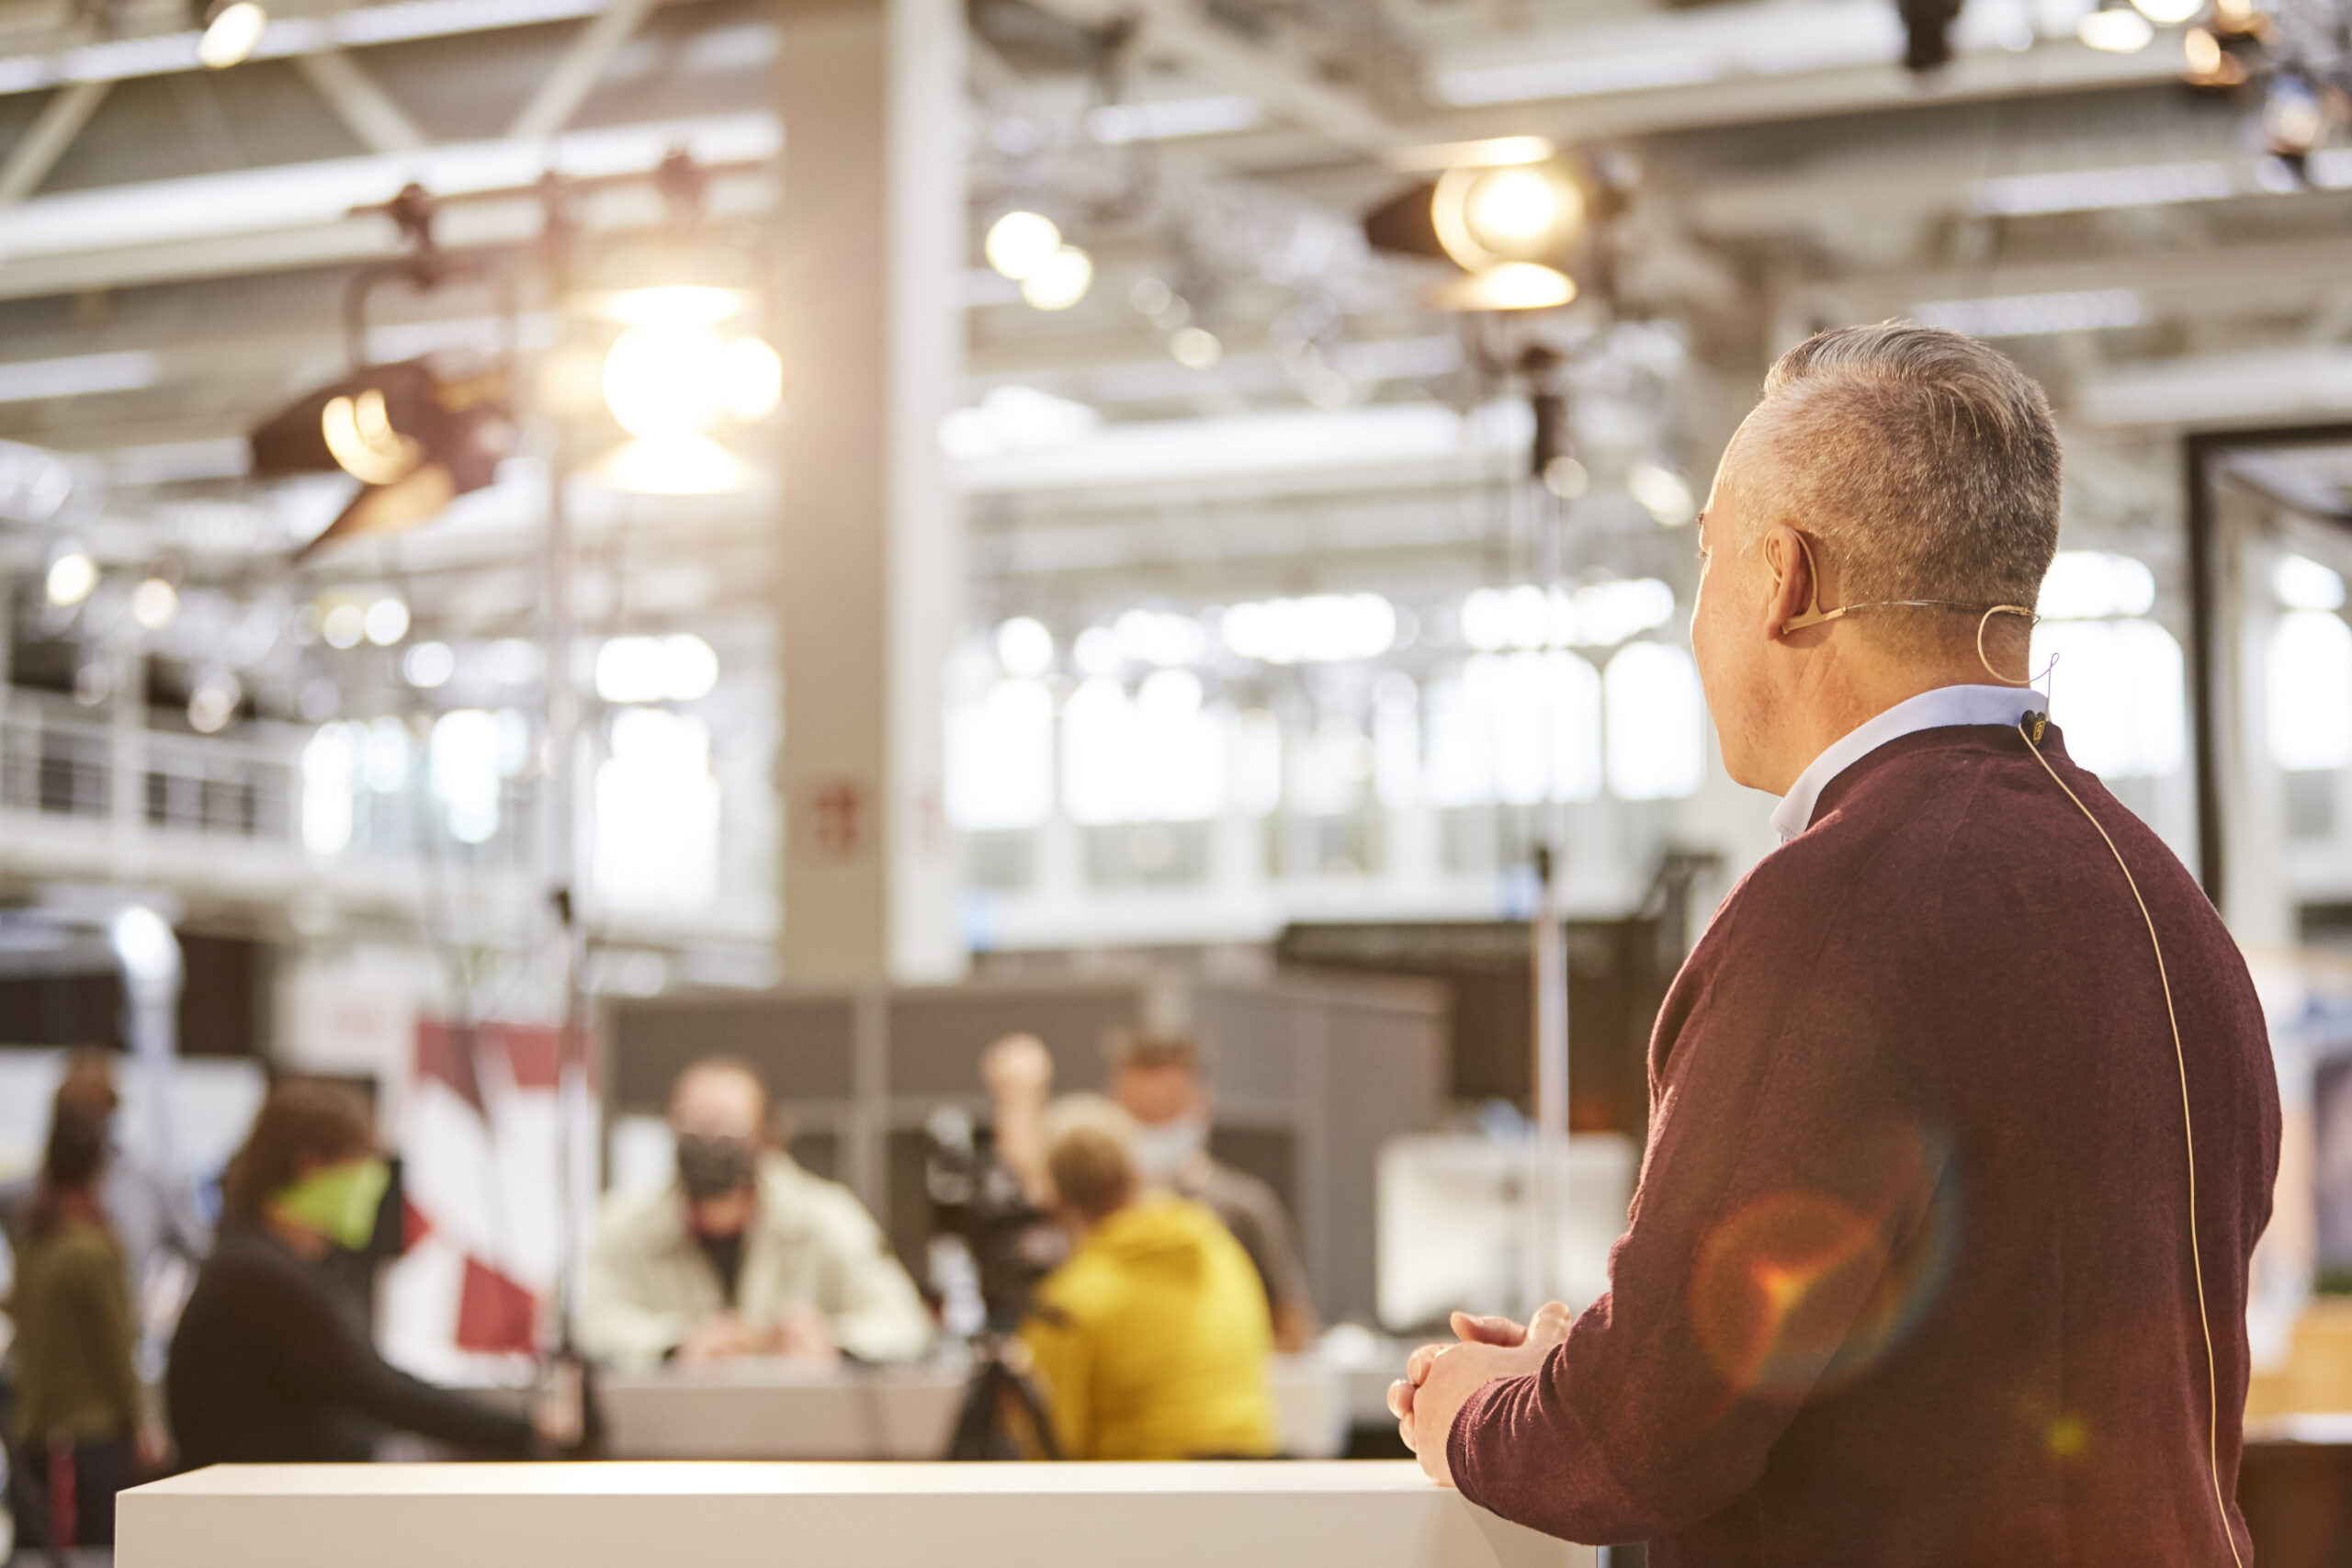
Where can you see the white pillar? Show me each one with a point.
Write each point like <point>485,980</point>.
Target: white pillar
<point>871,236</point>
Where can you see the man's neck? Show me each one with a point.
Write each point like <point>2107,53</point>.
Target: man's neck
<point>1849,695</point>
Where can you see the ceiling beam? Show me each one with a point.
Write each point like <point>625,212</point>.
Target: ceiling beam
<point>583,66</point>
<point>274,220</point>
<point>358,100</point>
<point>45,141</point>
<point>170,53</point>
<point>1284,84</point>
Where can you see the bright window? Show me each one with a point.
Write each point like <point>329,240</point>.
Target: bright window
<point>1000,758</point>
<point>1519,728</point>
<point>1158,757</point>
<point>2118,692</point>
<point>2310,691</point>
<point>657,811</point>
<point>330,774</point>
<point>1657,722</point>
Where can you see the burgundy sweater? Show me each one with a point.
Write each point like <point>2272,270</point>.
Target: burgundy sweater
<point>1907,1278</point>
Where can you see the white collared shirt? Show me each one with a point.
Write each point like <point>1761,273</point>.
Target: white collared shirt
<point>1929,710</point>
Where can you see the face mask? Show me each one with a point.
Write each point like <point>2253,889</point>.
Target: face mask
<point>712,1167</point>
<point>1163,1150</point>
<point>338,1201</point>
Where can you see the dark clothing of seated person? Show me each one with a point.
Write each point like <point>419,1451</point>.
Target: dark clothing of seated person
<point>273,1362</point>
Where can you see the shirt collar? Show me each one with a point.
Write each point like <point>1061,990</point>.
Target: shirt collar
<point>1929,710</point>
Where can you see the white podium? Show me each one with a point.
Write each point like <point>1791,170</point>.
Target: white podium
<point>1273,1514</point>
<point>759,1409</point>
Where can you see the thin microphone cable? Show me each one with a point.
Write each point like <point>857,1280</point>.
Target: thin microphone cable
<point>2028,728</point>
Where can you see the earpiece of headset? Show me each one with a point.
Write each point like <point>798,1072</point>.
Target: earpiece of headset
<point>1814,616</point>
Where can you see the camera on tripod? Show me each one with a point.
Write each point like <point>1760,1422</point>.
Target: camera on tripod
<point>989,1249</point>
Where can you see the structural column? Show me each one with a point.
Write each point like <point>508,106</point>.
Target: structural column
<point>871,236</point>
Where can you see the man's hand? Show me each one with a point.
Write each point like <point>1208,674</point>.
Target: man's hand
<point>804,1336</point>
<point>1440,1378</point>
<point>1017,1064</point>
<point>717,1338</point>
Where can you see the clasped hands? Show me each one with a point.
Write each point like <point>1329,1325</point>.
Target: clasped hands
<point>1440,1378</point>
<point>801,1335</point>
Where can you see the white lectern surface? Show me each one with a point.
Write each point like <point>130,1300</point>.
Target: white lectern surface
<point>1275,1515</point>
<point>758,1409</point>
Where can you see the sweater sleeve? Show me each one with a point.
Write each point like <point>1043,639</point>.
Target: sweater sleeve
<point>1783,1231</point>
<point>331,1360</point>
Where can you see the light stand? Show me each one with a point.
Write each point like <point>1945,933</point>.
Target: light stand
<point>1548,955</point>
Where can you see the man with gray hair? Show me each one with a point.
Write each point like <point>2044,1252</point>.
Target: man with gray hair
<point>1962,1118</point>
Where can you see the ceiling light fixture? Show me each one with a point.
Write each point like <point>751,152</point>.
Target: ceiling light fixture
<point>231,34</point>
<point>73,576</point>
<point>2117,30</point>
<point>1060,281</point>
<point>1020,242</point>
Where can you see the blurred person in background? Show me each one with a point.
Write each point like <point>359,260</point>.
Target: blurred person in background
<point>745,1254</point>
<point>1152,1337</point>
<point>273,1362</point>
<point>1157,1080</point>
<point>151,1214</point>
<point>80,1430</point>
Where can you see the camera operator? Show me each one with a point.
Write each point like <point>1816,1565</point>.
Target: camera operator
<point>1152,1339</point>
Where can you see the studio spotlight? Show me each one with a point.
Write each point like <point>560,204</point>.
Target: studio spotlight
<point>1486,216</point>
<point>1518,229</point>
<point>414,439</point>
<point>232,32</point>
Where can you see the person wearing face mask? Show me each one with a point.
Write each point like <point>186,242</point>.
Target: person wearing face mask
<point>1158,1081</point>
<point>272,1361</point>
<point>746,1254</point>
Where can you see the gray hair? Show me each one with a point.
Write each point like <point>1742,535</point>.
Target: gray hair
<point>1924,464</point>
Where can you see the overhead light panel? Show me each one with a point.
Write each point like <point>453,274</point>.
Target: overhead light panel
<point>2168,13</point>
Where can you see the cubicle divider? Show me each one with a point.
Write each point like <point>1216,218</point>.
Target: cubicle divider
<point>1312,1074</point>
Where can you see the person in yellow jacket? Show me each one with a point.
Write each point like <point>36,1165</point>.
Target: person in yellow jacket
<point>1152,1339</point>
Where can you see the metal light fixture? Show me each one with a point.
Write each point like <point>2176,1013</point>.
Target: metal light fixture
<point>413,438</point>
<point>1514,214</point>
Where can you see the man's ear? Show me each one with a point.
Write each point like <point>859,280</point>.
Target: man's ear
<point>1789,588</point>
